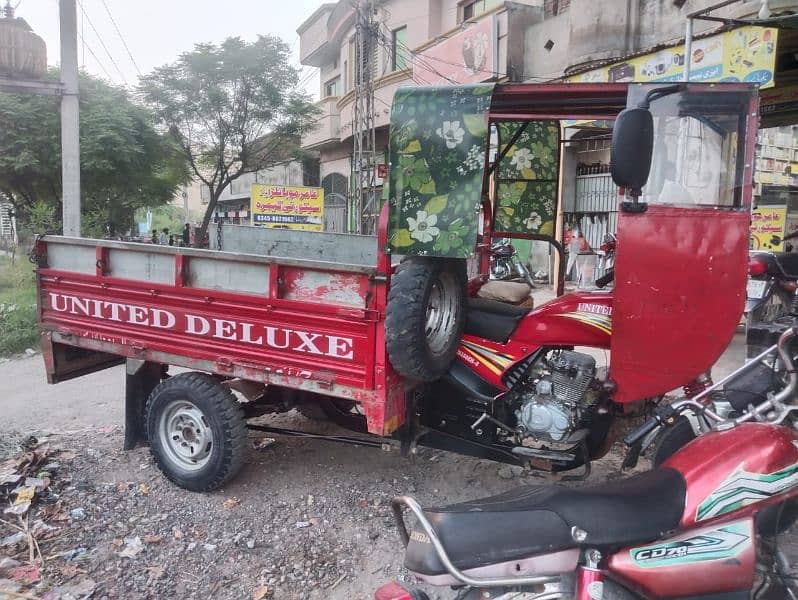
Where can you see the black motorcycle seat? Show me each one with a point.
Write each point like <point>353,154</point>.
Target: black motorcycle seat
<point>493,320</point>
<point>534,520</point>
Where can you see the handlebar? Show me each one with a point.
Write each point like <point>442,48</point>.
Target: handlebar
<point>605,279</point>
<point>664,415</point>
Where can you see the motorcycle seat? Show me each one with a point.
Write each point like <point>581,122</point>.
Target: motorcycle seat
<point>493,320</point>
<point>533,520</point>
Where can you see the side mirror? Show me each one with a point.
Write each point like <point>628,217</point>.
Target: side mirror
<point>632,148</point>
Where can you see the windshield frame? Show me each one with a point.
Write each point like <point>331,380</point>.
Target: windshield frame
<point>702,102</point>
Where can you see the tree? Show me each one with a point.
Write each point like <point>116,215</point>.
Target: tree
<point>125,162</point>
<point>233,108</point>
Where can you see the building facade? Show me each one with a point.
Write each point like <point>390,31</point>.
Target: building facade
<point>415,42</point>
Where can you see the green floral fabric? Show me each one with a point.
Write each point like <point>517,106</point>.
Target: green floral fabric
<point>526,198</point>
<point>438,140</point>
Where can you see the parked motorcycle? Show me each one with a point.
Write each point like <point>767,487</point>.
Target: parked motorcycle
<point>772,279</point>
<point>606,253</point>
<point>705,524</point>
<point>505,265</point>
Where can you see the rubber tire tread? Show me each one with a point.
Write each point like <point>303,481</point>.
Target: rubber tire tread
<point>406,314</point>
<point>671,440</point>
<point>227,421</point>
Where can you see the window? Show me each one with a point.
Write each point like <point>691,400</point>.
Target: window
<point>347,84</point>
<point>399,50</point>
<point>552,8</point>
<point>474,8</point>
<point>331,87</point>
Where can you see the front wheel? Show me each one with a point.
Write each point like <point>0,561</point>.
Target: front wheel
<point>197,431</point>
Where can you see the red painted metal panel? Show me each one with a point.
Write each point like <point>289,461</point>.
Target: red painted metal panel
<point>709,461</point>
<point>579,319</point>
<point>665,577</point>
<point>680,280</point>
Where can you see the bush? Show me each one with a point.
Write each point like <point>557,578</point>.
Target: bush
<point>18,327</point>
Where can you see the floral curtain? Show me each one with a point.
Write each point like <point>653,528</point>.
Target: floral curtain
<point>526,196</point>
<point>438,142</point>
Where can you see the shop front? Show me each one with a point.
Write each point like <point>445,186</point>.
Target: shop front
<point>761,54</point>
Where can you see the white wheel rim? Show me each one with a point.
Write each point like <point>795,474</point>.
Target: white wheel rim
<point>185,435</point>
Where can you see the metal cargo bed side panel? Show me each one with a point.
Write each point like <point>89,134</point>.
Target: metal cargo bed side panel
<point>303,324</point>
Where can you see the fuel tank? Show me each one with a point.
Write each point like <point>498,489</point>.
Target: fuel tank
<point>578,319</point>
<point>731,477</point>
<point>728,471</point>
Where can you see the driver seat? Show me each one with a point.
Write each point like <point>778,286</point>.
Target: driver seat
<point>534,520</point>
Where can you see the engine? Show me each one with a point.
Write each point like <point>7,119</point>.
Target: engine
<point>556,395</point>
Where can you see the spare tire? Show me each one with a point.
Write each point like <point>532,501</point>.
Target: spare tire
<point>425,316</point>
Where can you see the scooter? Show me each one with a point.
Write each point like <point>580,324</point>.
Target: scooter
<point>703,525</point>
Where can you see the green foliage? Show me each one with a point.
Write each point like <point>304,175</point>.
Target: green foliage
<point>18,327</point>
<point>233,108</point>
<point>125,162</point>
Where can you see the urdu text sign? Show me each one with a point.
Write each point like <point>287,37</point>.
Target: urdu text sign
<point>287,207</point>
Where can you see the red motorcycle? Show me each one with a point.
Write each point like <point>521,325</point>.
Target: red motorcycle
<point>704,525</point>
<point>526,386</point>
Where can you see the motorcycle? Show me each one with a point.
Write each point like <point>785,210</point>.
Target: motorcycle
<point>705,524</point>
<point>505,265</point>
<point>772,279</point>
<point>526,387</point>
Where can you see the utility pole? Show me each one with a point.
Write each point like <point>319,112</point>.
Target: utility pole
<point>363,159</point>
<point>70,120</point>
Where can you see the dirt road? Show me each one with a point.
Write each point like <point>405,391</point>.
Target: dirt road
<point>306,519</point>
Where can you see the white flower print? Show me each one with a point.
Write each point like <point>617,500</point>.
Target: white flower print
<point>522,159</point>
<point>452,133</point>
<point>533,221</point>
<point>422,228</point>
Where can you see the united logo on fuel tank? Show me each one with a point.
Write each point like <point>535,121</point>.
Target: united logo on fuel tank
<point>593,314</point>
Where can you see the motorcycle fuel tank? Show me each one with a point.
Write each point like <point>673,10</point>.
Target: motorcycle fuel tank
<point>730,476</point>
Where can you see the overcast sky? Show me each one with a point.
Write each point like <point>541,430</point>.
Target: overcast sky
<point>157,31</point>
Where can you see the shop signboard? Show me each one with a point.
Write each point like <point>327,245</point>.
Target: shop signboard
<point>745,54</point>
<point>287,207</point>
<point>766,222</point>
<point>468,56</point>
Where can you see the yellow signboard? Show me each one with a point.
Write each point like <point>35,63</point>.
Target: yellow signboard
<point>744,54</point>
<point>287,207</point>
<point>766,222</point>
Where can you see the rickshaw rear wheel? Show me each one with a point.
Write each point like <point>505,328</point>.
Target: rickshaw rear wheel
<point>425,316</point>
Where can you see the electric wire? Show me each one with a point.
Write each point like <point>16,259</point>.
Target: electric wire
<point>121,37</point>
<point>96,59</point>
<point>102,43</point>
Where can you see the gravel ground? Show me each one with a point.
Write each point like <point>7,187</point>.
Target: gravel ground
<point>305,519</point>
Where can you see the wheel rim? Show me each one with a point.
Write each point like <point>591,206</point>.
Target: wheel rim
<point>442,309</point>
<point>185,434</point>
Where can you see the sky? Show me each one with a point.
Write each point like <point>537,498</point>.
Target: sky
<point>156,32</point>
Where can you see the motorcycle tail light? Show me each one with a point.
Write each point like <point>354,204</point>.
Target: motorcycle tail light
<point>393,591</point>
<point>756,267</point>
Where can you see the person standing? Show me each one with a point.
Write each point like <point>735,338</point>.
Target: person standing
<point>187,235</point>
<point>164,239</point>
